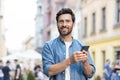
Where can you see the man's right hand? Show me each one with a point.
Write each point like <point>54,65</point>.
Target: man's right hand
<point>78,56</point>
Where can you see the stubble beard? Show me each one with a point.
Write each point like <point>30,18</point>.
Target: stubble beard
<point>65,33</point>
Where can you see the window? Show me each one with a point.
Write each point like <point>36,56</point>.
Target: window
<point>40,10</point>
<point>117,53</point>
<point>118,11</point>
<point>93,23</point>
<point>104,57</point>
<point>85,27</point>
<point>48,35</point>
<point>117,15</point>
<point>49,1</point>
<point>48,19</point>
<point>0,4</point>
<point>93,56</point>
<point>50,5</point>
<point>103,28</point>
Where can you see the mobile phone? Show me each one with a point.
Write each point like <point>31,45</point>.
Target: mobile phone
<point>84,48</point>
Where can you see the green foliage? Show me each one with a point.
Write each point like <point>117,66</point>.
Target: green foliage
<point>21,77</point>
<point>30,76</point>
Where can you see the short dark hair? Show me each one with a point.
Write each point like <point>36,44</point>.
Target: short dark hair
<point>65,11</point>
<point>15,60</point>
<point>7,61</point>
<point>1,61</point>
<point>37,66</point>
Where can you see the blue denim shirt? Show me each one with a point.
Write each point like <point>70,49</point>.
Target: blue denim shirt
<point>107,67</point>
<point>54,52</point>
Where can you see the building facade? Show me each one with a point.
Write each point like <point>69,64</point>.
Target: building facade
<point>39,25</point>
<point>43,20</point>
<point>29,44</point>
<point>101,30</point>
<point>47,20</point>
<point>2,30</point>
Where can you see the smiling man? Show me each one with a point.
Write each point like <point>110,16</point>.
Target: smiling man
<point>62,58</point>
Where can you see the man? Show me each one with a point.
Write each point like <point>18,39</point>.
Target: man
<point>17,70</point>
<point>62,58</point>
<point>107,70</point>
<point>6,70</point>
<point>38,73</point>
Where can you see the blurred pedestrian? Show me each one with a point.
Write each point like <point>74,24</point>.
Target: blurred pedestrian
<point>116,71</point>
<point>1,72</point>
<point>17,70</point>
<point>38,73</point>
<point>107,70</point>
<point>62,58</point>
<point>6,70</point>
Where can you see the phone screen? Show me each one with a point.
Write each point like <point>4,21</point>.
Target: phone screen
<point>84,48</point>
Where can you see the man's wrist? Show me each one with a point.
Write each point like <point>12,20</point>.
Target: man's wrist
<point>68,61</point>
<point>85,62</point>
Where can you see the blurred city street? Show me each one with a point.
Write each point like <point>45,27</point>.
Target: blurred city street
<point>26,25</point>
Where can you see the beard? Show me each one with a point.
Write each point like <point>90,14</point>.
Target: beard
<point>65,31</point>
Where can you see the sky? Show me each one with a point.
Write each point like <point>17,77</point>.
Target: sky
<point>19,22</point>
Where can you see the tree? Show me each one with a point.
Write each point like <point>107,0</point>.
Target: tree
<point>30,76</point>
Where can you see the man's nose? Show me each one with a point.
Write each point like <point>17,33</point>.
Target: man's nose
<point>64,23</point>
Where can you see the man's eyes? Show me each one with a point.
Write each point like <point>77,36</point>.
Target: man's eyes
<point>67,20</point>
<point>61,21</point>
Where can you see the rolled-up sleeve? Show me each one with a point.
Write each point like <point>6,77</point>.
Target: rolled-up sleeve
<point>92,66</point>
<point>93,71</point>
<point>47,58</point>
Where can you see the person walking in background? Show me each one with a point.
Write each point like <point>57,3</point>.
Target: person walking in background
<point>1,72</point>
<point>62,58</point>
<point>116,71</point>
<point>6,70</point>
<point>17,70</point>
<point>38,73</point>
<point>107,70</point>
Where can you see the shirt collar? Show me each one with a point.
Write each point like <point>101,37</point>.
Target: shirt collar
<point>59,38</point>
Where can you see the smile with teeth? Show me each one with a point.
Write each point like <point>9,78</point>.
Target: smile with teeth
<point>64,29</point>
